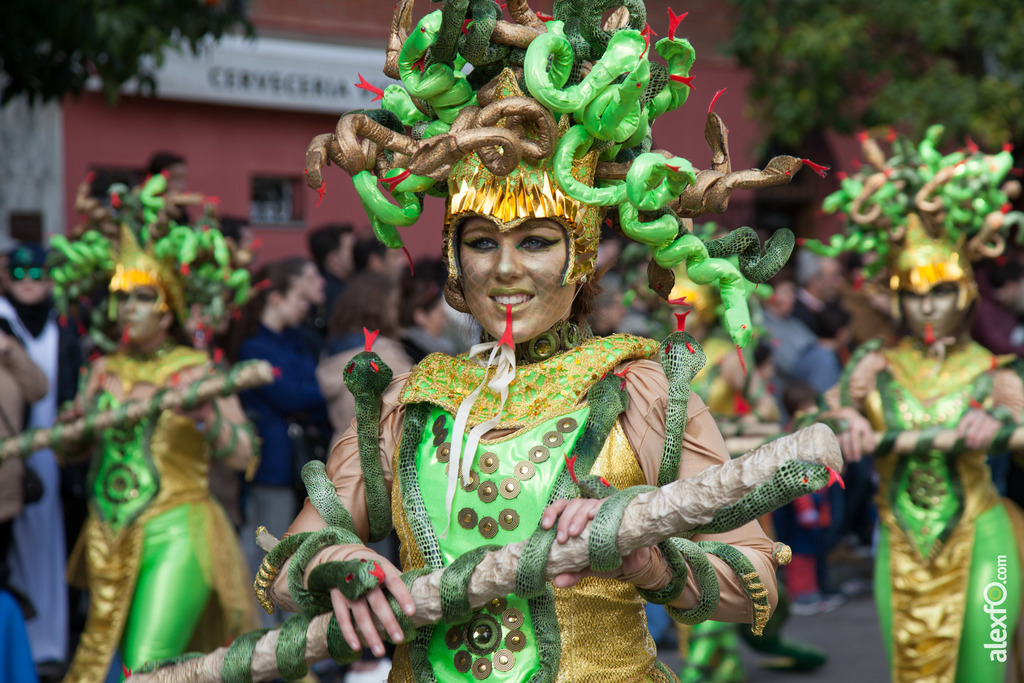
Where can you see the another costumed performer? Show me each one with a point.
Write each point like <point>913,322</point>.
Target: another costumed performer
<point>541,420</point>
<point>160,557</point>
<point>947,540</point>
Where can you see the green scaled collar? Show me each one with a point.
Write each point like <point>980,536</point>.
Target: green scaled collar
<point>539,392</point>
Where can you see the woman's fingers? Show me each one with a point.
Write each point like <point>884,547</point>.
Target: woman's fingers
<point>551,513</point>
<point>393,582</point>
<point>867,435</point>
<point>849,446</point>
<point>341,613</point>
<point>367,629</point>
<point>571,515</point>
<point>977,429</point>
<point>570,579</point>
<point>382,610</point>
<point>363,617</point>
<point>578,512</point>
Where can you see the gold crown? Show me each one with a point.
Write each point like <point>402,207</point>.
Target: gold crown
<point>529,191</point>
<point>136,267</point>
<point>923,261</point>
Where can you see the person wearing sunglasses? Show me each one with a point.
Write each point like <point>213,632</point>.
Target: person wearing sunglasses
<point>39,548</point>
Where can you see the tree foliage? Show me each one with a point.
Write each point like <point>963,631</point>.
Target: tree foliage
<point>845,65</point>
<point>50,48</point>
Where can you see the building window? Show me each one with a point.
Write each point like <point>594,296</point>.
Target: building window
<point>275,200</point>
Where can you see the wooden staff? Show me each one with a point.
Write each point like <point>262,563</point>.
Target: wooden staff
<point>905,442</point>
<point>753,429</point>
<point>648,519</point>
<point>247,375</point>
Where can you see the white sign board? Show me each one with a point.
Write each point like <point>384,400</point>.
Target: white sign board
<point>274,74</point>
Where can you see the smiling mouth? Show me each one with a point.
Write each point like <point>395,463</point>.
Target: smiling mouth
<point>511,299</point>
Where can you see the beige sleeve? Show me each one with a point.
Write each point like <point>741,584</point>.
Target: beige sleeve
<point>346,472</point>
<point>1008,391</point>
<point>703,446</point>
<point>28,376</point>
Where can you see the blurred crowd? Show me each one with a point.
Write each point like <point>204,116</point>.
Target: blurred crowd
<point>310,315</point>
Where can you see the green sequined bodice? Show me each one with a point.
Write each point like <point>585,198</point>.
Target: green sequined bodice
<point>925,490</point>
<point>510,484</point>
<point>123,479</point>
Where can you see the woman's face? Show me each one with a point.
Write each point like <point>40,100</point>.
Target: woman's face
<point>293,304</point>
<point>312,284</point>
<point>143,317</point>
<point>936,308</point>
<point>522,267</point>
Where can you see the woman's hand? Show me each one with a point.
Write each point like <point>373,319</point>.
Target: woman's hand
<point>977,428</point>
<point>71,411</point>
<point>858,438</point>
<point>572,517</point>
<point>364,614</point>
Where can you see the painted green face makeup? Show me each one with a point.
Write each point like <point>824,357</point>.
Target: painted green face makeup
<point>143,316</point>
<point>522,267</point>
<point>936,308</point>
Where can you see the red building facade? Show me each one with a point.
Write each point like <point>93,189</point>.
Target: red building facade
<point>243,114</point>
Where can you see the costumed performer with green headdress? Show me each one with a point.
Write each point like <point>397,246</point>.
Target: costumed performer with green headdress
<point>540,421</point>
<point>159,556</point>
<point>948,561</point>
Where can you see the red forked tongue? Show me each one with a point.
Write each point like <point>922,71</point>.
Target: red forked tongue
<point>681,320</point>
<point>506,337</point>
<point>833,477</point>
<point>929,334</point>
<point>369,338</point>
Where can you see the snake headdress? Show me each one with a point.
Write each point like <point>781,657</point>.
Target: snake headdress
<point>542,116</point>
<point>928,215</point>
<point>134,241</point>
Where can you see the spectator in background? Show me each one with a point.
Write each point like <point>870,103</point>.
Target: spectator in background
<point>821,282</point>
<point>869,301</point>
<point>821,363</point>
<point>238,229</point>
<point>997,324</point>
<point>38,555</point>
<point>369,254</point>
<point>423,318</point>
<point>790,337</point>
<point>175,168</point>
<point>803,525</point>
<point>331,247</point>
<point>283,412</point>
<point>174,165</point>
<point>21,384</point>
<point>369,302</point>
<point>311,284</point>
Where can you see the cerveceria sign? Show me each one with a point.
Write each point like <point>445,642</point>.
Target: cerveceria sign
<point>273,74</point>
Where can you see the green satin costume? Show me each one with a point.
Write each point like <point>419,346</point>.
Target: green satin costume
<point>510,639</point>
<point>155,547</point>
<point>949,546</point>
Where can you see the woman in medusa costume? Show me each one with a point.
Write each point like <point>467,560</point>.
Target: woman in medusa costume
<point>156,552</point>
<point>541,421</point>
<point>948,547</point>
